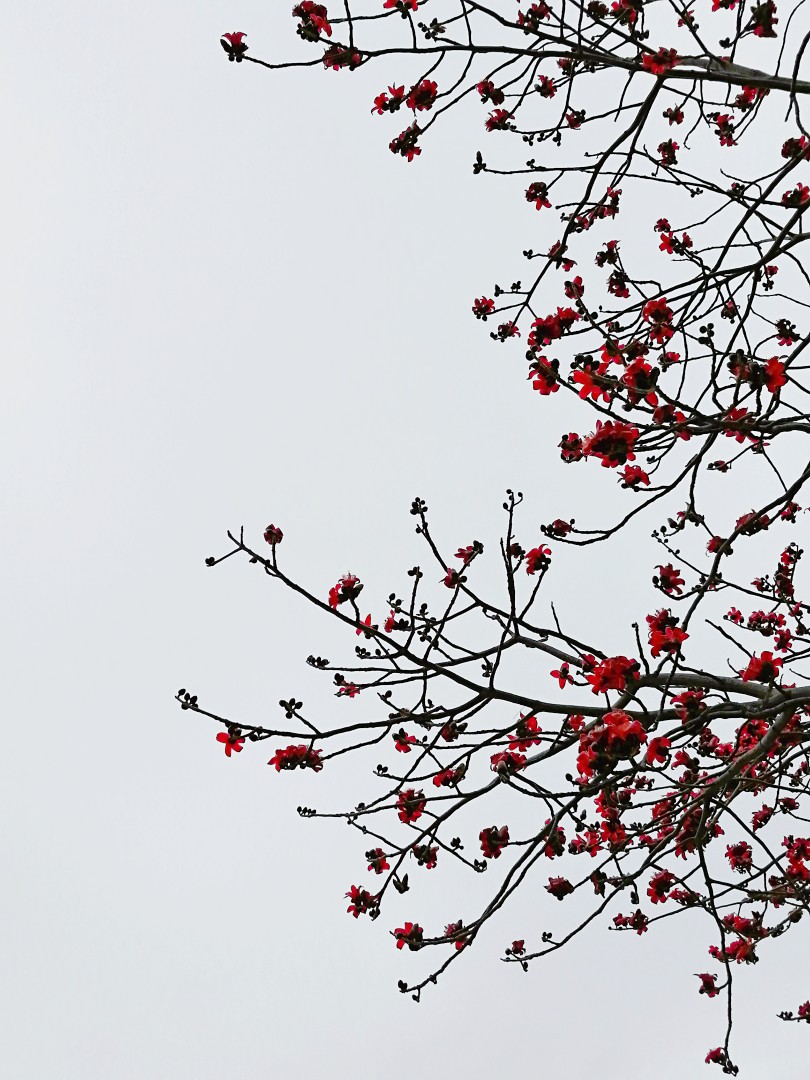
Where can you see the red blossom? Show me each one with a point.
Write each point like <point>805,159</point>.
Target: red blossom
<point>708,985</point>
<point>405,143</point>
<point>362,901</point>
<point>314,20</point>
<point>347,588</point>
<point>232,743</point>
<point>537,559</point>
<point>526,731</point>
<point>763,668</point>
<point>669,580</point>
<point>493,841</point>
<point>234,45</point>
<point>410,805</point>
<point>661,62</point>
<point>377,860</point>
<point>410,934</point>
<point>422,96</point>
<point>403,741</point>
<point>507,762</point>
<point>612,443</point>
<point>559,887</point>
<point>482,307</point>
<point>657,751</point>
<point>294,757</point>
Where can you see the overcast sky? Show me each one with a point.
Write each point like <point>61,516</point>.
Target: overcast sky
<point>226,303</point>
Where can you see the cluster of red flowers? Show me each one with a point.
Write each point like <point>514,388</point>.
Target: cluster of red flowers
<point>615,737</point>
<point>612,673</point>
<point>314,20</point>
<point>665,636</point>
<point>295,757</point>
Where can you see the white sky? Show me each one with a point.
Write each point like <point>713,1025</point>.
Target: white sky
<point>226,303</point>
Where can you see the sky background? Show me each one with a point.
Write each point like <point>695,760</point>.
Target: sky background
<point>226,303</point>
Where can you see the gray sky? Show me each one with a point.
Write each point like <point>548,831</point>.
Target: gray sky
<point>226,303</point>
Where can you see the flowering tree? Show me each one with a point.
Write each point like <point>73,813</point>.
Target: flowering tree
<point>662,786</point>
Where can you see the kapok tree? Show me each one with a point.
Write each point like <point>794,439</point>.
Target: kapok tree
<point>665,297</point>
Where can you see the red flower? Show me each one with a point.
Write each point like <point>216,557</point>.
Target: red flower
<point>613,673</point>
<point>667,641</point>
<point>493,841</point>
<point>525,731</point>
<point>668,150</point>
<point>799,196</point>
<point>348,588</point>
<point>559,887</point>
<point>448,777</point>
<point>452,930</point>
<point>708,985</point>
<point>452,579</point>
<point>405,142</point>
<point>740,857</point>
<point>482,307</point>
<point>507,762</point>
<point>612,442</point>
<point>234,45</point>
<point>338,57</point>
<point>377,860</point>
<point>468,553</point>
<point>422,96</point>
<point>661,62</point>
<point>293,757</point>
<point>349,690</point>
<point>425,855</point>
<point>552,327</point>
<point>660,884</point>
<point>498,120</point>
<point>382,103</point>
<point>640,379</point>
<point>402,6</point>
<point>489,92</point>
<point>538,194</point>
<point>545,87</point>
<point>232,743</point>
<point>362,902</point>
<point>562,675</point>
<point>571,447</point>
<point>763,19</point>
<point>544,375</point>
<point>537,559</point>
<point>633,476</point>
<point>617,736</point>
<point>659,315</point>
<point>763,668</point>
<point>669,580</point>
<point>410,805</point>
<point>775,374</point>
<point>314,20</point>
<point>657,751</point>
<point>411,933</point>
<point>725,129</point>
<point>403,741</point>
<point>637,921</point>
<point>366,627</point>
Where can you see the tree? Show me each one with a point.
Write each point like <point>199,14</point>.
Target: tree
<point>664,783</point>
